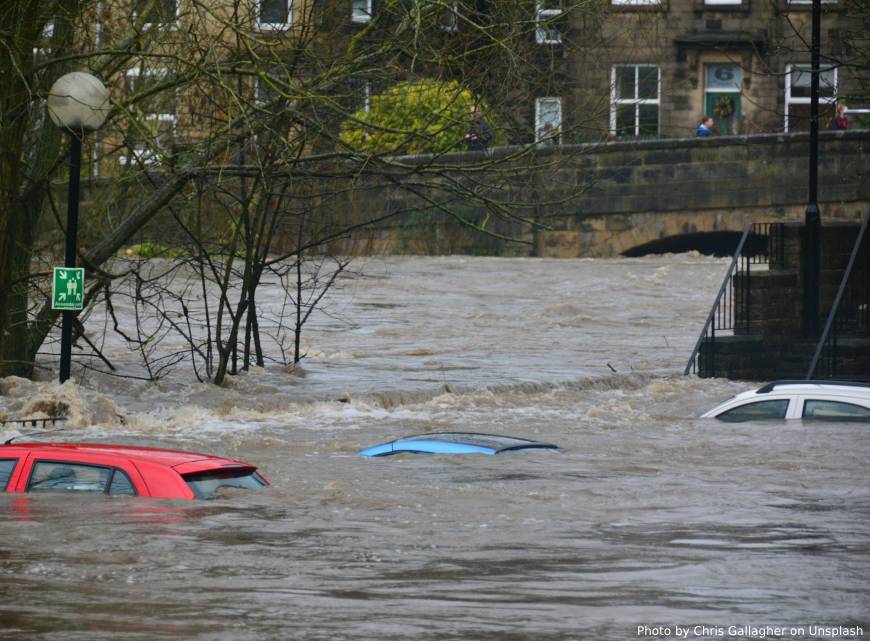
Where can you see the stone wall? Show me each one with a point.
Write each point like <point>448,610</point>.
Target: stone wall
<point>587,200</point>
<point>603,200</point>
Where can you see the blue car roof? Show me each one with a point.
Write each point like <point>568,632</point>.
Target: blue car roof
<point>455,443</point>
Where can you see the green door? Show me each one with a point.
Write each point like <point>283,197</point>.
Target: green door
<point>725,109</point>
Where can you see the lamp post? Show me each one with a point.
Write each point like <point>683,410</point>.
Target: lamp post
<point>812,216</point>
<point>77,102</point>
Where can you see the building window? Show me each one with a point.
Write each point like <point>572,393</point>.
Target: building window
<point>274,14</point>
<point>265,93</point>
<point>634,103</point>
<point>152,128</point>
<point>450,17</point>
<point>797,95</point>
<point>155,13</point>
<point>41,54</point>
<point>547,21</point>
<point>548,121</point>
<point>361,10</point>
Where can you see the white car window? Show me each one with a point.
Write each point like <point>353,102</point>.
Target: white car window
<point>757,411</point>
<point>7,466</point>
<point>834,411</point>
<point>50,476</point>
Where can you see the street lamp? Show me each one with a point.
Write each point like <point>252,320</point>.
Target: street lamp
<point>812,216</point>
<point>77,102</point>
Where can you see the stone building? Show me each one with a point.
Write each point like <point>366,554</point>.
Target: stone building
<point>655,67</point>
<point>585,71</point>
<point>646,68</point>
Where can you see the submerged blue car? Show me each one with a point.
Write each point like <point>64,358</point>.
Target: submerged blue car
<point>456,443</point>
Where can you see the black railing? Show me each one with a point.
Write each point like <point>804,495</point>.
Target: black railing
<point>761,243</point>
<point>32,422</point>
<point>849,313</point>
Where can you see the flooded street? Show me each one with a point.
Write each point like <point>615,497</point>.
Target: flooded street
<point>647,516</point>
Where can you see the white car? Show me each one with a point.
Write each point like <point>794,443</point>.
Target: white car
<point>811,400</point>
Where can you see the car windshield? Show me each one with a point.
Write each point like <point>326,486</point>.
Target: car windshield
<point>489,441</point>
<point>206,484</point>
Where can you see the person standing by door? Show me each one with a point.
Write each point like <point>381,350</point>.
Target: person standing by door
<point>705,128</point>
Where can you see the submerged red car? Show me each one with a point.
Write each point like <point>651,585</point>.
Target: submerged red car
<point>120,470</point>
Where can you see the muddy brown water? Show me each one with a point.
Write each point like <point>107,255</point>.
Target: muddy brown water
<point>647,515</point>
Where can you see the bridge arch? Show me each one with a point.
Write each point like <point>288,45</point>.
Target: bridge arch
<point>711,243</point>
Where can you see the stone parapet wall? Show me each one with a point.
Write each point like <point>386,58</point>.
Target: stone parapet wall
<point>587,200</point>
<point>607,199</point>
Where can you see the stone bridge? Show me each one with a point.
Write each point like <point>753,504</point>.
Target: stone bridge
<point>634,197</point>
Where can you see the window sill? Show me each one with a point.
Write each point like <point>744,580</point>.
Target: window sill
<point>743,7</point>
<point>652,7</point>
<point>785,6</point>
<point>273,26</point>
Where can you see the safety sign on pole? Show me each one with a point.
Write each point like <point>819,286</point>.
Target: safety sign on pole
<point>68,288</point>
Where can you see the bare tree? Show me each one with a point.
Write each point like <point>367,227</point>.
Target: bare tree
<point>224,145</point>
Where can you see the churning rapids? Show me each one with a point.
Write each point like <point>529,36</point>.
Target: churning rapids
<point>648,516</point>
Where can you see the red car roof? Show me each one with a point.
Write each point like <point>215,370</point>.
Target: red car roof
<point>169,458</point>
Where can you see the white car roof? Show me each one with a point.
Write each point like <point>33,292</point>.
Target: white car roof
<point>779,389</point>
<point>835,388</point>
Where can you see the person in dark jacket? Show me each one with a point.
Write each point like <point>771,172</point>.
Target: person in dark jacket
<point>479,133</point>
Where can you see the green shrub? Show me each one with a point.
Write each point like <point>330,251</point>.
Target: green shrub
<point>412,117</point>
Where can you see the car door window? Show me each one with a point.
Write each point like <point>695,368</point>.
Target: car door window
<point>758,411</point>
<point>6,468</point>
<point>121,485</point>
<point>835,411</point>
<point>55,476</point>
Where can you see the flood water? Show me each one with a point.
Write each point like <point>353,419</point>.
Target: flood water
<point>647,516</point>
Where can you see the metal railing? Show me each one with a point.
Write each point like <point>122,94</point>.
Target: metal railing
<point>761,243</point>
<point>32,422</point>
<point>850,312</point>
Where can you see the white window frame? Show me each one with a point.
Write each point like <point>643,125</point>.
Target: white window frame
<point>636,3</point>
<point>539,125</point>
<point>274,26</point>
<point>96,148</point>
<point>809,2</point>
<point>801,100</point>
<point>361,16</point>
<point>98,25</point>
<point>367,96</point>
<point>542,33</point>
<point>148,156</point>
<point>725,3</point>
<point>636,102</point>
<point>171,24</point>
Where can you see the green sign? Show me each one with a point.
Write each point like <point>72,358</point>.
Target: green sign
<point>68,288</point>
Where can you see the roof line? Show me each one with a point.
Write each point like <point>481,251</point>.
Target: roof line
<point>772,386</point>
